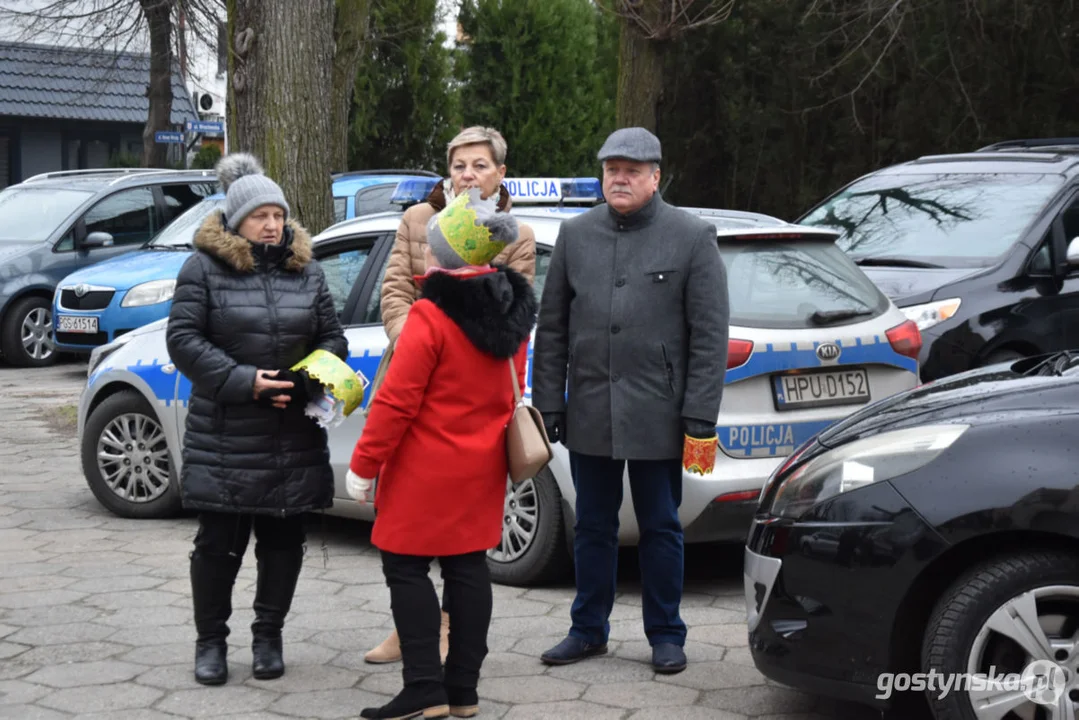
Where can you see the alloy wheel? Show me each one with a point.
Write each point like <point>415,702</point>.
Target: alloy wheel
<point>36,334</point>
<point>520,518</point>
<point>133,458</point>
<point>1030,646</point>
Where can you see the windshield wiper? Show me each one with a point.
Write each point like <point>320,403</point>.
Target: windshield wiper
<point>827,317</point>
<point>895,262</point>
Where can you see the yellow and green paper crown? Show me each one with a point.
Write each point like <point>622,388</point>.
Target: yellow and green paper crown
<point>335,376</point>
<point>470,231</point>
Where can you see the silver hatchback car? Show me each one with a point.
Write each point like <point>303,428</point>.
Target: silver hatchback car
<point>812,339</point>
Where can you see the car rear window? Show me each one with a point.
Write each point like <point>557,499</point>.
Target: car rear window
<point>796,284</point>
<point>957,220</point>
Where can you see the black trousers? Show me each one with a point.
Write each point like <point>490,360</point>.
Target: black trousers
<point>467,598</point>
<point>229,533</point>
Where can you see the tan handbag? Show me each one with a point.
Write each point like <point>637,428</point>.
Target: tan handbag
<point>527,447</point>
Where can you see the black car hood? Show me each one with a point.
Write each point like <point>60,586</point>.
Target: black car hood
<point>908,286</point>
<point>986,395</point>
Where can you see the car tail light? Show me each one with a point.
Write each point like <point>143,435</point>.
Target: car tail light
<point>742,496</point>
<point>738,352</point>
<point>906,339</point>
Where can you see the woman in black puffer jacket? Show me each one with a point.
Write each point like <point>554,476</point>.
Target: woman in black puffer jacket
<point>249,304</point>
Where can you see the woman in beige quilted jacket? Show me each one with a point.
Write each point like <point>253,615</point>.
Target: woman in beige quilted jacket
<point>476,159</point>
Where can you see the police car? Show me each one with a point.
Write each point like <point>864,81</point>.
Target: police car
<point>97,304</point>
<point>811,340</point>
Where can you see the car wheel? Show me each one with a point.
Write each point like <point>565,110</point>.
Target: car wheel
<point>26,337</point>
<point>125,458</point>
<point>1013,619</point>
<point>532,550</point>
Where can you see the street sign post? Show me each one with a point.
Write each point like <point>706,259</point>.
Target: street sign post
<point>205,126</point>
<point>168,137</point>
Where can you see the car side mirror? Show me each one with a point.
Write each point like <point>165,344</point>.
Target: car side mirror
<point>98,239</point>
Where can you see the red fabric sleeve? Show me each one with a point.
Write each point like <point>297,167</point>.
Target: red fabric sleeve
<point>520,362</point>
<point>399,399</point>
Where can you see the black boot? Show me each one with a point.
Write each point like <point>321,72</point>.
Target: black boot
<point>425,699</point>
<point>212,578</point>
<point>278,571</point>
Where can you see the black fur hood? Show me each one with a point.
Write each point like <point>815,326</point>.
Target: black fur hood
<point>496,311</point>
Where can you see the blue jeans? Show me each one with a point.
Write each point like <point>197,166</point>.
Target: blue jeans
<point>656,486</point>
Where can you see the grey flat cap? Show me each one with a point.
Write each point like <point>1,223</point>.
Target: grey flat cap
<point>633,143</point>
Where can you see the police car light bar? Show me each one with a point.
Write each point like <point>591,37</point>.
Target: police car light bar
<point>554,190</point>
<point>523,191</point>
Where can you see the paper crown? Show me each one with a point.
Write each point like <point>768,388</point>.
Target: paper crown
<point>470,231</point>
<point>335,376</point>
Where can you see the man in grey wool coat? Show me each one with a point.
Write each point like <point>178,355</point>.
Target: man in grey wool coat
<point>635,315</point>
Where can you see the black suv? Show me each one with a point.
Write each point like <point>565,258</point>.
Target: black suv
<point>981,249</point>
<point>56,223</point>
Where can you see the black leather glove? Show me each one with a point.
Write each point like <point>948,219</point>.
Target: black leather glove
<point>553,424</point>
<point>303,389</point>
<point>698,429</point>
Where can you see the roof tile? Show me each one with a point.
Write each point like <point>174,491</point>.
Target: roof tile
<point>40,81</point>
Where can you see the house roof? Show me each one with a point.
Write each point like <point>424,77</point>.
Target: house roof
<point>75,84</point>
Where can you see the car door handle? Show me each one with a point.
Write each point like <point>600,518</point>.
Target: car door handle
<point>168,369</point>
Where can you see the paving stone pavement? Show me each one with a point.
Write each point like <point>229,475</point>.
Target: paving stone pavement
<point>95,618</point>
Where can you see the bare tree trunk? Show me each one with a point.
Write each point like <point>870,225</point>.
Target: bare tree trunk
<point>350,35</point>
<point>281,60</point>
<point>158,15</point>
<point>640,76</point>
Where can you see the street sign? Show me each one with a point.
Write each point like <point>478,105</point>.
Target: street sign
<point>168,137</point>
<point>205,126</point>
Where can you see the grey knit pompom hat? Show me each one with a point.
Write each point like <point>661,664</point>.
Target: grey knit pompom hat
<point>246,188</point>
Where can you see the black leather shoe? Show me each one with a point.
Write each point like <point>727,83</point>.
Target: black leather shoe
<point>668,658</point>
<point>572,650</point>
<point>211,667</point>
<point>268,661</point>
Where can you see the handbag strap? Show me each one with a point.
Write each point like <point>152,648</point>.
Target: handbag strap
<point>516,385</point>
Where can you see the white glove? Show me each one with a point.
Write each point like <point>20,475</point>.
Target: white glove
<point>357,486</point>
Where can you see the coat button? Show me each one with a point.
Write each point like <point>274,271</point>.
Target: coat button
<point>620,282</point>
<point>615,329</point>
<point>616,377</point>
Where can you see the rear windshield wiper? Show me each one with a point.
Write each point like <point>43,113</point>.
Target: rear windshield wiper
<point>827,317</point>
<point>895,262</point>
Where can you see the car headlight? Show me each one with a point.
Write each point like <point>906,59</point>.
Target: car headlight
<point>934,313</point>
<point>103,351</point>
<point>862,462</point>
<point>149,293</point>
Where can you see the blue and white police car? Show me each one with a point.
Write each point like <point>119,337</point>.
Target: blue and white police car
<point>99,303</point>
<point>811,340</point>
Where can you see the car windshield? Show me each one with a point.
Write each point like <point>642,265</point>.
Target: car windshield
<point>32,214</point>
<point>773,284</point>
<point>180,233</point>
<point>957,220</point>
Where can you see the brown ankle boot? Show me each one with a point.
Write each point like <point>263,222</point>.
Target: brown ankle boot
<point>444,637</point>
<point>388,652</point>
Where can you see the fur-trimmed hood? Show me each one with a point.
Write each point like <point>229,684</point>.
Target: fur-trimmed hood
<point>495,310</point>
<point>215,238</point>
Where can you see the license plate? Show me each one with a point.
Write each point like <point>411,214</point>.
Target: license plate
<point>76,324</point>
<point>821,389</point>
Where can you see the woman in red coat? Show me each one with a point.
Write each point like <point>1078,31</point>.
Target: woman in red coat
<point>436,439</point>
